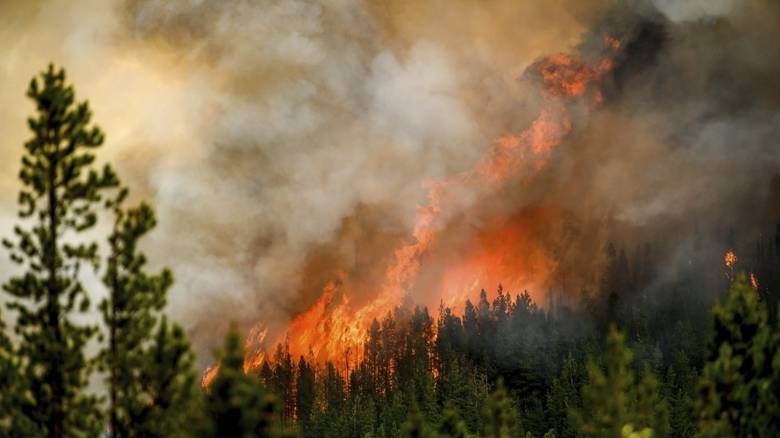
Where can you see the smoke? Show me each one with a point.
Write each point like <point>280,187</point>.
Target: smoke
<point>288,145</point>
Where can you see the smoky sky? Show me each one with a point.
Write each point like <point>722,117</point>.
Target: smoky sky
<point>286,143</point>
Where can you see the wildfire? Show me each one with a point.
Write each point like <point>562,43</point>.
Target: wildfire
<point>753,280</point>
<point>505,253</point>
<point>209,375</point>
<point>730,258</point>
<point>333,329</point>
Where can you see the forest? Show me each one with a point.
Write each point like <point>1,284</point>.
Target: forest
<point>700,358</point>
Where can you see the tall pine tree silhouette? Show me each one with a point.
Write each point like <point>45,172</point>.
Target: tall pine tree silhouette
<point>61,189</point>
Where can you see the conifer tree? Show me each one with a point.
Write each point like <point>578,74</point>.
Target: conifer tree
<point>564,396</point>
<point>500,415</point>
<point>236,404</point>
<point>169,387</point>
<point>150,378</point>
<point>61,189</point>
<point>613,404</point>
<point>740,384</point>
<point>414,426</point>
<point>451,425</point>
<point>129,312</point>
<point>305,392</point>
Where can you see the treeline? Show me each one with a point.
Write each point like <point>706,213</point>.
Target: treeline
<point>643,355</point>
<point>509,369</point>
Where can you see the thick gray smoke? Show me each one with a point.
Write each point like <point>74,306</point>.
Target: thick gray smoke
<point>286,142</point>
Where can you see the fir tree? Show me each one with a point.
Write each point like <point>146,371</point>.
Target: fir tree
<point>565,396</point>
<point>613,404</point>
<point>305,392</point>
<point>236,404</point>
<point>169,387</point>
<point>61,190</point>
<point>451,425</point>
<point>131,312</point>
<point>414,426</point>
<point>500,415</point>
<point>740,384</point>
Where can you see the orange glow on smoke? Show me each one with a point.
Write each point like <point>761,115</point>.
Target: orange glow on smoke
<point>506,252</point>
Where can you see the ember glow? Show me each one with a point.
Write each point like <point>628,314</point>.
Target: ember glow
<point>753,280</point>
<point>502,252</point>
<point>730,258</point>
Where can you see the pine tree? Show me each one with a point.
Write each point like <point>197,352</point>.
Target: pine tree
<point>136,357</point>
<point>305,392</point>
<point>613,404</point>
<point>169,387</point>
<point>236,404</point>
<point>61,189</point>
<point>283,379</point>
<point>500,415</point>
<point>680,386</point>
<point>740,384</point>
<point>565,396</point>
<point>414,426</point>
<point>451,425</point>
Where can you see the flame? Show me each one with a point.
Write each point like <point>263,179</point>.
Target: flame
<point>754,281</point>
<point>565,76</point>
<point>505,253</point>
<point>612,42</point>
<point>730,258</point>
<point>334,329</point>
<point>209,375</point>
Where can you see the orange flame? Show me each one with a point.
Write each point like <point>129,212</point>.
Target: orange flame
<point>730,258</point>
<point>209,375</point>
<point>333,329</point>
<point>753,280</point>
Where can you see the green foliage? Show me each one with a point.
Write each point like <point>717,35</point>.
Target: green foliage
<point>500,415</point>
<point>305,391</point>
<point>415,427</point>
<point>740,384</point>
<point>564,396</point>
<point>679,389</point>
<point>150,376</point>
<point>61,190</point>
<point>613,402</point>
<point>169,393</point>
<point>13,389</point>
<point>236,404</point>
<point>451,424</point>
